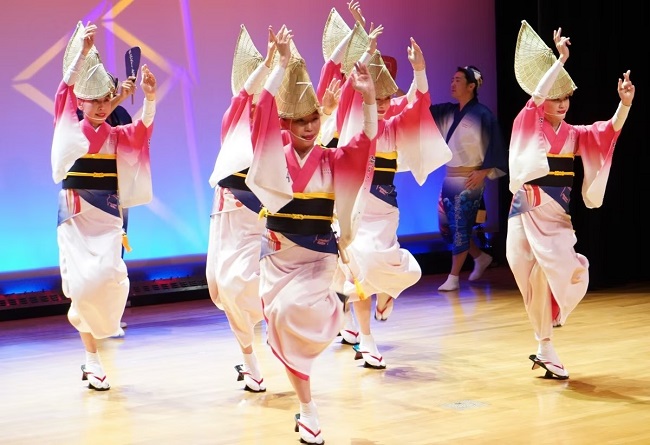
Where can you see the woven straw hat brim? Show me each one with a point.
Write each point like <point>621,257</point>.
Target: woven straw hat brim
<point>357,46</point>
<point>334,32</point>
<point>94,81</point>
<point>246,60</point>
<point>74,46</point>
<point>295,54</point>
<point>385,86</point>
<point>533,58</point>
<point>296,97</point>
<point>391,65</point>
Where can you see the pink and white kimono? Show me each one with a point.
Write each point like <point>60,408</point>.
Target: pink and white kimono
<point>90,227</point>
<point>303,313</point>
<point>235,239</point>
<point>550,274</point>
<point>408,140</point>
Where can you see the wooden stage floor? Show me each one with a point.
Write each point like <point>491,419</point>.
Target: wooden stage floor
<point>458,372</point>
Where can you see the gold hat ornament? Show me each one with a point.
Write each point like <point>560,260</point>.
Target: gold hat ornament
<point>358,45</point>
<point>246,60</point>
<point>296,97</point>
<point>385,86</point>
<point>533,58</point>
<point>335,31</point>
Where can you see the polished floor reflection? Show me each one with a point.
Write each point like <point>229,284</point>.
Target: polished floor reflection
<point>457,372</point>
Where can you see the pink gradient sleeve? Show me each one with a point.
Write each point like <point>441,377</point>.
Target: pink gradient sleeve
<point>68,142</point>
<point>420,146</point>
<point>236,151</point>
<point>527,157</point>
<point>353,170</point>
<point>268,176</point>
<point>328,72</point>
<point>596,144</point>
<point>134,164</point>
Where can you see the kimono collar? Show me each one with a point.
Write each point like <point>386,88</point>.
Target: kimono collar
<point>302,175</point>
<point>558,139</point>
<point>459,114</point>
<point>96,137</point>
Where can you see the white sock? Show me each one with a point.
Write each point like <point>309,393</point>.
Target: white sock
<point>349,321</point>
<point>308,409</point>
<point>367,339</point>
<point>546,351</point>
<point>451,283</point>
<point>367,343</point>
<point>481,263</point>
<point>92,358</point>
<point>250,360</point>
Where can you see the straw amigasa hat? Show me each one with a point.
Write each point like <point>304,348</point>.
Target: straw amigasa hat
<point>358,45</point>
<point>533,58</point>
<point>246,60</point>
<point>94,81</point>
<point>75,44</point>
<point>385,86</point>
<point>296,97</point>
<point>335,31</point>
<point>295,55</point>
<point>391,65</point>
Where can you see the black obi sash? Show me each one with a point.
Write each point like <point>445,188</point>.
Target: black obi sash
<point>235,181</point>
<point>93,172</point>
<point>312,216</point>
<point>384,171</point>
<point>560,173</point>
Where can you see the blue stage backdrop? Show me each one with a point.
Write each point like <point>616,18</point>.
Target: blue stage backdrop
<point>189,46</point>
